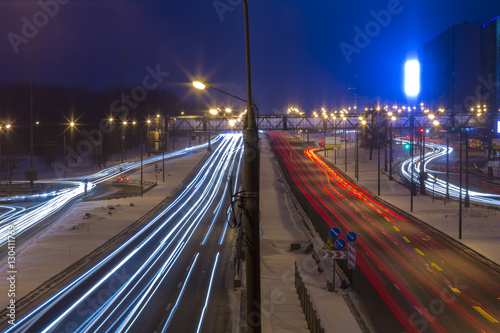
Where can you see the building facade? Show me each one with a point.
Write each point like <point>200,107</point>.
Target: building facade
<point>451,67</point>
<point>491,63</point>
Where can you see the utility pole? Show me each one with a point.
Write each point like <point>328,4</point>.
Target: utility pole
<point>411,163</point>
<point>251,183</point>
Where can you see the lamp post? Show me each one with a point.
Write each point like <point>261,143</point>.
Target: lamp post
<point>251,193</point>
<point>412,119</point>
<point>213,112</point>
<point>142,158</point>
<point>71,125</point>
<point>1,131</point>
<point>447,168</point>
<point>393,118</point>
<point>345,143</point>
<point>467,199</point>
<point>335,138</point>
<point>124,123</point>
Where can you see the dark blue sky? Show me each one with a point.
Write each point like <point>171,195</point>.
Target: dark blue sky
<point>296,45</point>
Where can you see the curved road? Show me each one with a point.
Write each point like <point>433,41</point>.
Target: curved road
<point>430,282</point>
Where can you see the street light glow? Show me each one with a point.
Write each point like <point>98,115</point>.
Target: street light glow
<point>199,85</point>
<point>71,124</point>
<point>412,78</point>
<point>213,111</point>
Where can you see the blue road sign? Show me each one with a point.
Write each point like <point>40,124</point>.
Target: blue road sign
<point>351,236</point>
<point>334,232</point>
<point>156,169</point>
<point>340,243</point>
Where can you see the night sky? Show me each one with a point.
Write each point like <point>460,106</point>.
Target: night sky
<point>296,45</point>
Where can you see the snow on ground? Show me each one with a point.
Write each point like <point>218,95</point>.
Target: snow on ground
<point>77,234</point>
<point>282,225</point>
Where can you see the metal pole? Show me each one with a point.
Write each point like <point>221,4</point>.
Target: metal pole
<point>390,152</point>
<point>324,128</point>
<point>164,144</point>
<point>460,190</point>
<point>345,143</point>
<point>251,183</point>
<point>335,150</point>
<point>31,123</point>
<point>385,145</point>
<point>378,155</point>
<point>123,140</point>
<point>0,158</point>
<point>357,154</point>
<point>447,168</point>
<point>467,199</point>
<point>64,152</point>
<point>123,106</point>
<point>142,176</point>
<point>422,168</point>
<point>411,163</point>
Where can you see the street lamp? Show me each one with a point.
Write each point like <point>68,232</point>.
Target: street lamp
<point>251,193</point>
<point>71,125</point>
<point>124,153</point>
<point>393,118</point>
<point>1,131</point>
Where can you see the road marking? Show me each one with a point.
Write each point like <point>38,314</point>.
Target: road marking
<point>485,314</point>
<point>387,218</point>
<point>406,239</point>
<point>456,291</point>
<point>179,285</point>
<point>168,307</point>
<point>396,228</point>
<point>436,266</point>
<point>419,252</point>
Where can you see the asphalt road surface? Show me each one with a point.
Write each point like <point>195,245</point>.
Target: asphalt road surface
<point>168,277</point>
<point>430,282</point>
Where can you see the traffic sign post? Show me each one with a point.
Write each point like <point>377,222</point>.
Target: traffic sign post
<point>351,256</point>
<point>156,172</point>
<point>340,254</point>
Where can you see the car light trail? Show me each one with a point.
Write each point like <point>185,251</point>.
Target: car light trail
<point>412,266</point>
<point>72,189</point>
<point>437,151</point>
<point>150,256</point>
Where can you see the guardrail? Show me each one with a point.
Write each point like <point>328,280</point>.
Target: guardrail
<point>313,321</point>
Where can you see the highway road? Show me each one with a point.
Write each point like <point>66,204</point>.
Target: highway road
<point>17,215</point>
<point>170,276</point>
<point>479,191</point>
<point>430,282</point>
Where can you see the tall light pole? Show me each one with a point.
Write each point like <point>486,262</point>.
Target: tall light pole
<point>393,118</point>
<point>1,131</point>
<point>251,192</point>
<point>335,138</point>
<point>251,184</point>
<point>345,143</point>
<point>124,123</point>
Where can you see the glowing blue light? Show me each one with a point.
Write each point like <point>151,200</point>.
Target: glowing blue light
<point>412,78</point>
